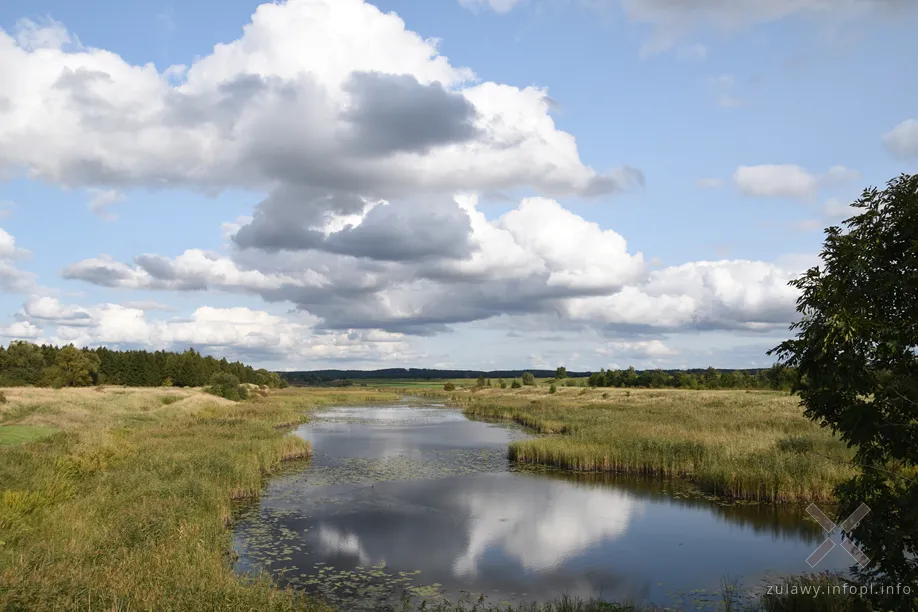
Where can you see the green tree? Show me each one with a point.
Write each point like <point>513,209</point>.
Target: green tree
<point>515,384</point>
<point>561,372</point>
<point>856,354</point>
<point>553,389</point>
<point>227,385</point>
<point>528,378</point>
<point>501,383</point>
<point>73,368</point>
<point>481,381</point>
<point>449,387</point>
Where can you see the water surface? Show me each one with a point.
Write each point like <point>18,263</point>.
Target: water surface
<point>421,498</point>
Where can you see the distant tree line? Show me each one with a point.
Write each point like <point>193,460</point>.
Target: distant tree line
<point>338,377</point>
<point>27,364</point>
<point>776,377</point>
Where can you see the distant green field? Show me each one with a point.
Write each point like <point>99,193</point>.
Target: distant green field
<point>18,434</point>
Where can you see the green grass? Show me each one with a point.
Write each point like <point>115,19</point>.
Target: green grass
<point>129,506</point>
<point>20,434</point>
<point>743,445</point>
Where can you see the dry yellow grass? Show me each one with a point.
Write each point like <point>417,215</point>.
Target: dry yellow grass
<point>752,445</point>
<point>127,506</point>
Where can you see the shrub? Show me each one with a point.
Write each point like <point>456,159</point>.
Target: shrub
<point>3,399</point>
<point>449,387</point>
<point>516,385</point>
<point>528,378</point>
<point>227,386</point>
<point>553,389</point>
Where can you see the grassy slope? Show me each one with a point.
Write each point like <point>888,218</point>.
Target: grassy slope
<point>128,506</point>
<point>752,445</point>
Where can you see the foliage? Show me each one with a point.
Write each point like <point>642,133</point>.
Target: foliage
<point>561,372</point>
<point>553,389</point>
<point>856,350</point>
<point>481,381</point>
<point>502,383</point>
<point>2,397</point>
<point>27,364</point>
<point>778,377</point>
<point>72,368</point>
<point>449,387</point>
<point>227,386</point>
<point>528,378</point>
<point>515,384</point>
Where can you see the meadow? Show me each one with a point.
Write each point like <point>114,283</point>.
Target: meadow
<point>120,499</point>
<point>743,445</point>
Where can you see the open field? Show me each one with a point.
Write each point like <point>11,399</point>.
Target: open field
<point>126,507</point>
<point>748,445</point>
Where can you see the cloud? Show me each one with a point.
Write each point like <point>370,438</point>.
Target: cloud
<point>102,200</point>
<point>388,269</point>
<point>12,279</point>
<point>236,332</point>
<point>705,295</point>
<point>498,6</point>
<point>20,330</point>
<point>672,21</point>
<point>149,305</point>
<point>775,181</point>
<point>641,349</point>
<point>710,183</point>
<point>788,180</point>
<point>537,259</point>
<point>902,140</point>
<point>271,111</point>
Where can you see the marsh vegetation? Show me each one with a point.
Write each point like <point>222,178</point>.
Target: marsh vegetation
<point>124,500</point>
<point>747,445</point>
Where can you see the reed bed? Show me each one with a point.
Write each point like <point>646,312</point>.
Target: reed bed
<point>744,445</point>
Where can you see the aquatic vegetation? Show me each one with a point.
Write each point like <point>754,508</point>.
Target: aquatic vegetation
<point>750,446</point>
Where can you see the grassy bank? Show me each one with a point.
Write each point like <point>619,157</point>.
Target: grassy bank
<point>748,445</point>
<point>120,499</point>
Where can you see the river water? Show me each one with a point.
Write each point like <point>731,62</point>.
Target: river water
<point>421,500</point>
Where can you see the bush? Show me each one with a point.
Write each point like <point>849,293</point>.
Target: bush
<point>449,387</point>
<point>3,399</point>
<point>516,385</point>
<point>528,378</point>
<point>553,389</point>
<point>227,386</point>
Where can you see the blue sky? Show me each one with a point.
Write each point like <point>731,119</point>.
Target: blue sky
<point>579,182</point>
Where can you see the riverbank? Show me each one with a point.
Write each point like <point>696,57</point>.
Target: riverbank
<point>743,445</point>
<point>120,498</point>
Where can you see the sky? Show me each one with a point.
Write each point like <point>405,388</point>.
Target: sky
<point>478,184</point>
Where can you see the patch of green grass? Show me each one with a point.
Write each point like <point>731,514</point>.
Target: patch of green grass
<point>20,434</point>
<point>750,446</point>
